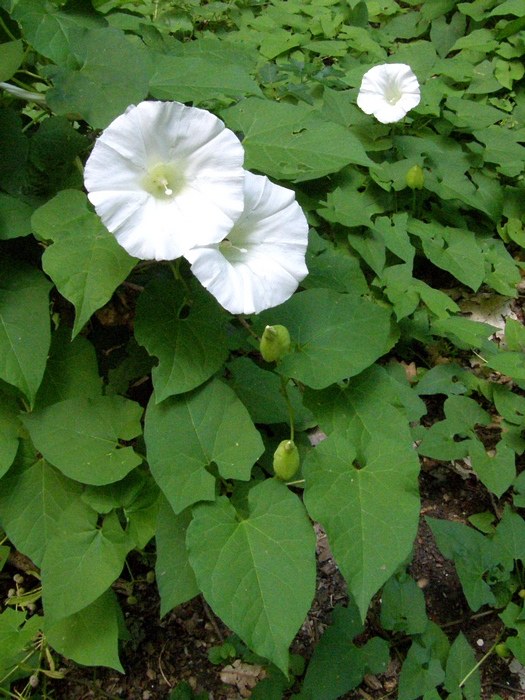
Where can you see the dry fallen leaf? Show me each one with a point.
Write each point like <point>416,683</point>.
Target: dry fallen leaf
<point>242,675</point>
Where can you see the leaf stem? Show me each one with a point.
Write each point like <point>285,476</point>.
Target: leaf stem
<point>174,266</point>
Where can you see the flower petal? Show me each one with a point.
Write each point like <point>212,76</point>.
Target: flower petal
<point>158,137</point>
<point>389,91</point>
<point>263,260</point>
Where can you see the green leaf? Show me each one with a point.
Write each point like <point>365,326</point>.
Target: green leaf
<point>136,365</point>
<point>15,217</point>
<point>198,79</point>
<point>173,572</point>
<point>10,427</point>
<point>446,175</point>
<point>52,33</point>
<point>81,561</point>
<point>512,618</point>
<point>447,379</point>
<point>395,235</point>
<point>90,636</point>
<point>24,325</point>
<point>32,499</point>
<point>496,470</point>
<point>514,335</point>
<point>336,335</point>
<point>284,140</point>
<point>353,205</point>
<point>55,146</point>
<point>11,56</point>
<point>261,393</point>
<point>502,146</point>
<point>403,605</point>
<point>374,397</point>
<point>463,332</point>
<point>361,483</point>
<point>448,439</point>
<point>460,664</point>
<point>85,261</point>
<point>189,339</point>
<point>509,538</point>
<point>367,505</point>
<point>185,434</point>
<point>422,669</point>
<point>473,554</point>
<point>15,148</point>
<point>16,635</point>
<point>332,268</point>
<point>511,364</point>
<point>256,572</point>
<point>338,665</point>
<point>452,249</point>
<point>71,370</point>
<point>81,437</point>
<point>100,89</point>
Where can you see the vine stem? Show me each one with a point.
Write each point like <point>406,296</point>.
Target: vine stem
<point>480,662</point>
<point>291,414</point>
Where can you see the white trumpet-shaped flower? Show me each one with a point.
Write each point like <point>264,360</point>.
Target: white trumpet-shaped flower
<point>164,177</point>
<point>262,261</point>
<point>388,92</point>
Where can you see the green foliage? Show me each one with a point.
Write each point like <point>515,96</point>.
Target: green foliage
<point>191,343</point>
<point>84,261</point>
<point>338,665</point>
<point>135,413</point>
<point>256,567</point>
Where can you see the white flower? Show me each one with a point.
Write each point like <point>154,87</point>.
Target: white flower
<point>388,92</point>
<point>261,262</point>
<point>164,177</point>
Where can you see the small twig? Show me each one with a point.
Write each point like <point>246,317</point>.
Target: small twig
<point>507,687</point>
<point>211,618</point>
<point>462,620</point>
<point>170,685</point>
<point>132,285</point>
<point>246,325</point>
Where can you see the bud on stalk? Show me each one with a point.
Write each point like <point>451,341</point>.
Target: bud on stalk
<point>275,343</point>
<point>415,178</point>
<point>286,460</point>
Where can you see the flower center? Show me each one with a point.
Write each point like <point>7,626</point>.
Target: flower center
<point>228,245</point>
<point>163,180</point>
<point>393,93</point>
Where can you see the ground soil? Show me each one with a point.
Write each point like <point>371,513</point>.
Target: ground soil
<point>162,653</point>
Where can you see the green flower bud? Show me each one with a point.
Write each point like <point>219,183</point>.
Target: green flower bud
<point>502,650</point>
<point>415,178</point>
<point>286,460</point>
<point>275,343</point>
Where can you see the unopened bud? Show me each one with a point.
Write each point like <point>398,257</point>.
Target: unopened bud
<point>275,343</point>
<point>415,178</point>
<point>502,650</point>
<point>286,460</point>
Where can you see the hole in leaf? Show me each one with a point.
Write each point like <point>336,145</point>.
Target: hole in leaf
<point>184,311</point>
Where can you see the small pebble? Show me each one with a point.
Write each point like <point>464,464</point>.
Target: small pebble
<point>480,642</point>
